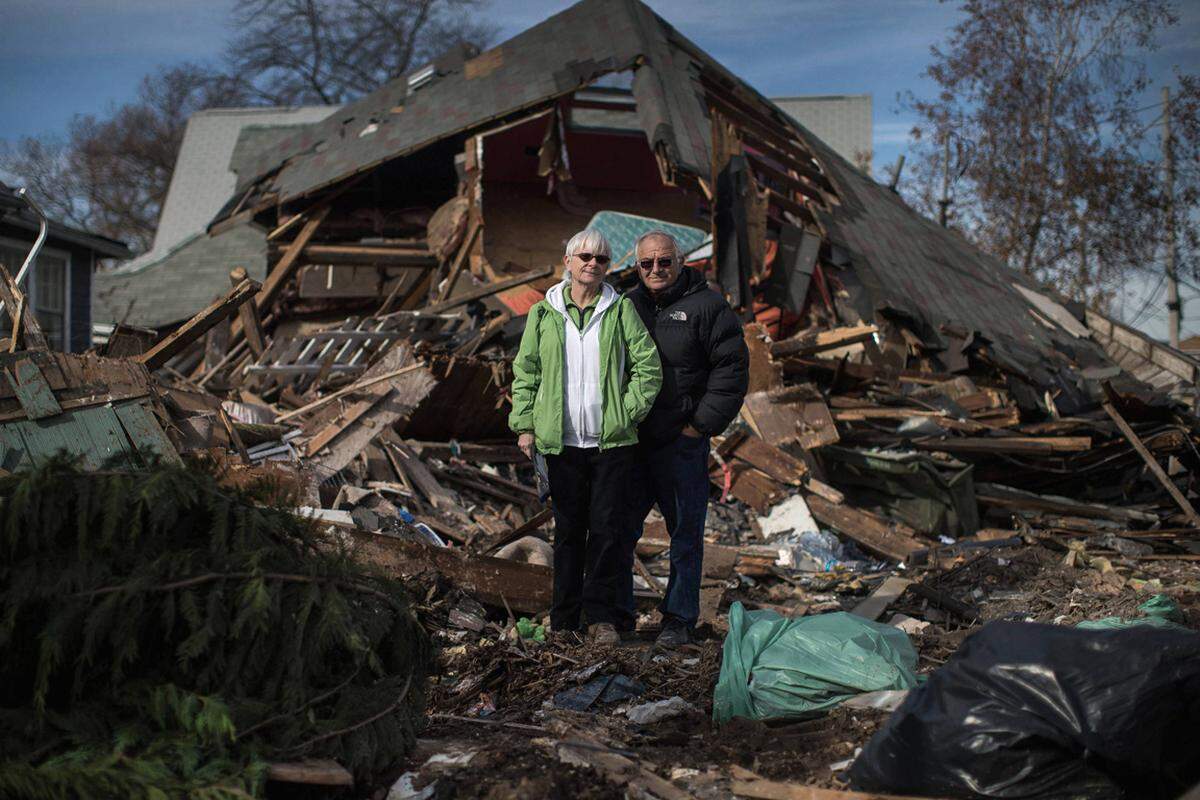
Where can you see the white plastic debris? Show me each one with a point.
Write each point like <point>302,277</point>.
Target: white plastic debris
<point>886,700</point>
<point>908,624</point>
<point>649,713</point>
<point>790,515</point>
<point>403,789</point>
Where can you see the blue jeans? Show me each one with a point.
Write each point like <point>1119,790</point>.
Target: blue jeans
<point>675,476</point>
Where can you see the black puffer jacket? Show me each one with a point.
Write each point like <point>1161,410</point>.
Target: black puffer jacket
<point>704,358</point>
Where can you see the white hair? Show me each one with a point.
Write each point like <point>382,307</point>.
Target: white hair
<point>657,234</point>
<point>589,240</point>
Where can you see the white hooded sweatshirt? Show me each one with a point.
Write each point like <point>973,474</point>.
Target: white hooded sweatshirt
<point>582,398</point>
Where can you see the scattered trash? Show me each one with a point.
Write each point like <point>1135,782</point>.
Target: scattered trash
<point>528,629</point>
<point>1160,610</point>
<point>778,667</point>
<point>649,713</point>
<point>1017,707</point>
<point>599,691</point>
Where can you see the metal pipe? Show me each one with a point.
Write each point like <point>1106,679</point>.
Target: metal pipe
<point>41,237</point>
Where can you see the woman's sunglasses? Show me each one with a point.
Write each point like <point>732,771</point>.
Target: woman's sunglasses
<point>586,257</point>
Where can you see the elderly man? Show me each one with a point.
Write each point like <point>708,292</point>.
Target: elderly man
<point>705,368</point>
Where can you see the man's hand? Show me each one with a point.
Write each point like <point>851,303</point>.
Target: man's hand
<point>688,430</point>
<point>525,442</point>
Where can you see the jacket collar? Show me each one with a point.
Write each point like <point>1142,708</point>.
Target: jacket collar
<point>689,282</point>
<point>556,297</point>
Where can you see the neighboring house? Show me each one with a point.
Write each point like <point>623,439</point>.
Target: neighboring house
<point>175,277</point>
<point>59,286</point>
<point>842,121</point>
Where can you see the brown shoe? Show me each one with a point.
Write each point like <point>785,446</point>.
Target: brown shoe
<point>603,633</point>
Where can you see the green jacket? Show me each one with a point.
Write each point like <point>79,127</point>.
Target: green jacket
<point>629,378</point>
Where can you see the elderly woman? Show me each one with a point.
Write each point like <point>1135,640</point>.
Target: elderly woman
<point>586,374</point>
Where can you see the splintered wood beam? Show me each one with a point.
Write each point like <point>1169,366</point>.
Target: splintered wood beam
<point>464,253</point>
<point>248,316</point>
<point>788,181</point>
<point>1018,445</point>
<point>892,540</point>
<point>23,322</point>
<point>486,290</point>
<point>533,523</point>
<point>1155,468</point>
<point>286,267</point>
<point>198,325</point>
<point>825,340</point>
<point>369,255</point>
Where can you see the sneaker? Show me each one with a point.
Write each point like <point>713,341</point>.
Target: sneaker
<point>674,634</point>
<point>603,633</point>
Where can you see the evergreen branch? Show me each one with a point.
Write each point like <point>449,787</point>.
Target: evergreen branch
<point>315,701</point>
<point>284,577</point>
<point>364,723</point>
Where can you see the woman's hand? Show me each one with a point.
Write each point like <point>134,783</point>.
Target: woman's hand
<point>525,442</point>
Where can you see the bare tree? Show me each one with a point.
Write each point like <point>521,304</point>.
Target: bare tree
<point>110,173</point>
<point>331,51</point>
<point>1038,145</point>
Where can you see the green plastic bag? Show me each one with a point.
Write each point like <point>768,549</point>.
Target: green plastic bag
<point>528,629</point>
<point>773,666</point>
<point>1160,611</point>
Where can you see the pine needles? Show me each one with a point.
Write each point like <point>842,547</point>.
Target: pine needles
<point>161,636</point>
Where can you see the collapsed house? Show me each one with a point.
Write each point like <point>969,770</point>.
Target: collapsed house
<point>926,432</point>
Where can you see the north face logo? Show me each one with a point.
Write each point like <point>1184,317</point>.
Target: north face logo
<point>679,316</point>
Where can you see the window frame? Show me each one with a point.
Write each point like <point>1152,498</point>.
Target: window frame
<point>31,280</point>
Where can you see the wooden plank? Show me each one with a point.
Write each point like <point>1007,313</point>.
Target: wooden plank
<point>817,428</point>
<point>999,496</point>
<point>198,325</point>
<point>143,430</point>
<point>1021,445</point>
<point>824,340</point>
<point>314,772</point>
<point>487,290</point>
<point>792,183</point>
<point>256,340</point>
<point>24,324</point>
<point>772,461</point>
<point>527,588</point>
<point>346,419</point>
<point>533,523</point>
<point>32,390</point>
<point>1155,468</point>
<point>351,389</point>
<point>369,255</point>
<point>893,540</point>
<point>884,595</point>
<point>421,478</point>
<point>286,267</point>
<point>459,260</point>
<point>776,423</point>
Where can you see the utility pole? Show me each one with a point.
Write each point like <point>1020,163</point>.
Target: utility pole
<point>944,215</point>
<point>1174,311</point>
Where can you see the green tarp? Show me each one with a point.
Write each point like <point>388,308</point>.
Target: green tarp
<point>773,666</point>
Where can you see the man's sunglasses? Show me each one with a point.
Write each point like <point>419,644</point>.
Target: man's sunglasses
<point>647,264</point>
<point>586,257</point>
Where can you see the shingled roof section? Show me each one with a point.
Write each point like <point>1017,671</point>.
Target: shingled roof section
<point>556,57</point>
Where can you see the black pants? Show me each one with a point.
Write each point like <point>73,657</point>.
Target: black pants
<point>589,489</point>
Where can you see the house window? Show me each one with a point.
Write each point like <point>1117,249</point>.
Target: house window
<point>45,288</point>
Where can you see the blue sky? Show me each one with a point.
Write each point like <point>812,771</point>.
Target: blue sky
<point>62,57</point>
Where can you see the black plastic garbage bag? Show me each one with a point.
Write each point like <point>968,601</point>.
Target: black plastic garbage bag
<point>1026,710</point>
